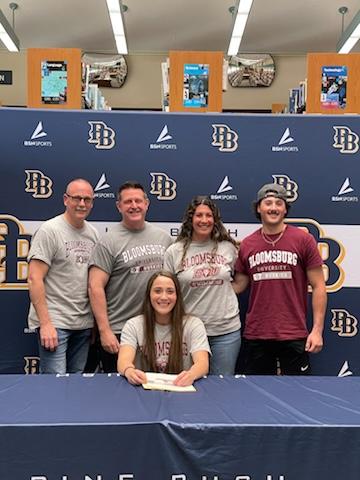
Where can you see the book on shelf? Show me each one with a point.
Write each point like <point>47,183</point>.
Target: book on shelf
<point>293,99</point>
<point>165,86</point>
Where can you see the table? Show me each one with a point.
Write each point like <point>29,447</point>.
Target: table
<point>100,427</point>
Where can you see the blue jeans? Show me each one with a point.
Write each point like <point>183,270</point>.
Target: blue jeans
<point>225,350</point>
<point>70,355</point>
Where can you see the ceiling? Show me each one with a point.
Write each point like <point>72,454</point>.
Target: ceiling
<point>157,26</point>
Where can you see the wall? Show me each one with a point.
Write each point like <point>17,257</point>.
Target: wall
<point>290,70</point>
<point>14,95</point>
<point>142,88</point>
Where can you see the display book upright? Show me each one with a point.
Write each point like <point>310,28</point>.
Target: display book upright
<point>165,82</point>
<point>165,86</point>
<point>297,98</point>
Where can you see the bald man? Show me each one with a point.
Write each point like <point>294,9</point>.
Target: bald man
<point>58,270</point>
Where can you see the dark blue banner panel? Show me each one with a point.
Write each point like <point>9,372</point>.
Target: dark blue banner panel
<point>177,156</point>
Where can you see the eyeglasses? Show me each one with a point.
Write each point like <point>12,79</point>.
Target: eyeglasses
<point>78,199</point>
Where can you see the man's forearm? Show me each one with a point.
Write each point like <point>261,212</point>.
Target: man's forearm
<point>319,302</point>
<point>240,282</point>
<point>99,307</point>
<point>38,299</point>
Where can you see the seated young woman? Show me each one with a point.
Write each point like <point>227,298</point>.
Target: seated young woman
<point>164,338</point>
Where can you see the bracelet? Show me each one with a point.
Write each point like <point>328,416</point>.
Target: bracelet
<point>127,368</point>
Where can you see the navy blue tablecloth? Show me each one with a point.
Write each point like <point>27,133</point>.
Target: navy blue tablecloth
<point>256,428</point>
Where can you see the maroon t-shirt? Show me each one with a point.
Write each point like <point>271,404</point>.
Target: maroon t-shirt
<point>278,280</point>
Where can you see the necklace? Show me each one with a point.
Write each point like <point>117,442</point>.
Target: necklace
<point>270,241</point>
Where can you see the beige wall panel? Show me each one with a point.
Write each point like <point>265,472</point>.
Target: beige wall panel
<point>14,94</point>
<point>142,88</point>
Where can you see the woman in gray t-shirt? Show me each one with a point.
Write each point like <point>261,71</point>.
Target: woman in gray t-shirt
<point>164,339</point>
<point>203,259</point>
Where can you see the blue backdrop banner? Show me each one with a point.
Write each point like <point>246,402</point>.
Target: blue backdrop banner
<point>177,156</point>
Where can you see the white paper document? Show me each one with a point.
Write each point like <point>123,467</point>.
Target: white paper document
<point>164,381</point>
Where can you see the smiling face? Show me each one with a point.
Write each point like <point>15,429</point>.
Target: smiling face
<point>163,298</point>
<point>133,206</point>
<point>202,223</point>
<point>272,211</point>
<point>78,201</point>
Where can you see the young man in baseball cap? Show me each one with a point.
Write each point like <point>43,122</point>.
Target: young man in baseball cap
<point>279,262</point>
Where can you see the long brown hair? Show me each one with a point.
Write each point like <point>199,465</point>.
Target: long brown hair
<point>218,233</point>
<point>175,360</point>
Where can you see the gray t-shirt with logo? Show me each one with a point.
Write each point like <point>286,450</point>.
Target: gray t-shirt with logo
<point>129,257</point>
<point>205,280</point>
<point>66,250</point>
<point>194,340</point>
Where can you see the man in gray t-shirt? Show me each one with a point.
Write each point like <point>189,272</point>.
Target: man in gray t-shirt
<point>58,270</point>
<point>121,264</point>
